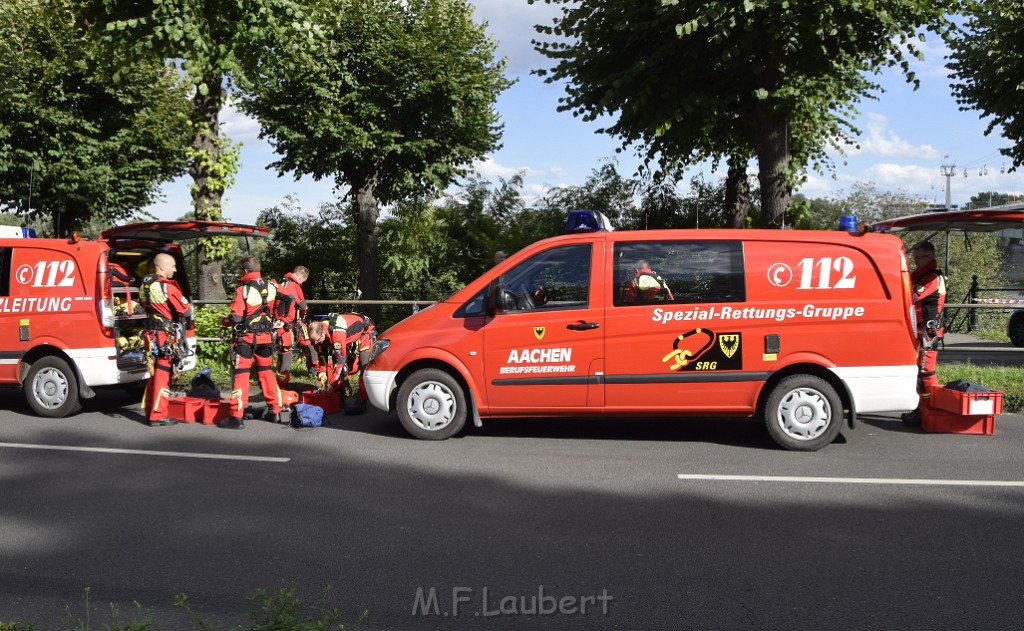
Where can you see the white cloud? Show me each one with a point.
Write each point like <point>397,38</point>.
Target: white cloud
<point>511,22</point>
<point>239,127</point>
<point>883,141</point>
<point>909,177</point>
<point>490,169</point>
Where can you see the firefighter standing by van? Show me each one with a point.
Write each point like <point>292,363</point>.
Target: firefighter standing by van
<point>291,308</point>
<point>929,296</point>
<point>165,307</point>
<point>252,319</point>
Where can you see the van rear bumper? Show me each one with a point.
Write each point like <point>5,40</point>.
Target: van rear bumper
<point>379,384</point>
<point>98,367</point>
<point>880,388</point>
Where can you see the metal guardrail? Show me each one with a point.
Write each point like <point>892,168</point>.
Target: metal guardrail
<point>963,313</point>
<point>412,303</point>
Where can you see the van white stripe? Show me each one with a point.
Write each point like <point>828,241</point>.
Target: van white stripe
<point>145,452</point>
<point>829,480</point>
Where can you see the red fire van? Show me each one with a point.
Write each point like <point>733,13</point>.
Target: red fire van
<point>69,314</point>
<point>799,328</point>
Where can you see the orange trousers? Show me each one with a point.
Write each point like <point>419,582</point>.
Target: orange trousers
<point>254,349</point>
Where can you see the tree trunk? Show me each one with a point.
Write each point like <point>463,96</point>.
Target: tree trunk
<point>367,212</point>
<point>206,194</point>
<point>58,223</point>
<point>737,193</point>
<point>773,159</point>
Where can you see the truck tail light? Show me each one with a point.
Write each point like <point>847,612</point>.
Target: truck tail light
<point>104,296</point>
<point>907,296</point>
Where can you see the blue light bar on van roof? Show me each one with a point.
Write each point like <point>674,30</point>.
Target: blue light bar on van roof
<point>587,221</point>
<point>28,233</point>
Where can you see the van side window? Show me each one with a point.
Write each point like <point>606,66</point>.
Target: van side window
<point>558,278</point>
<point>5,271</point>
<point>678,272</point>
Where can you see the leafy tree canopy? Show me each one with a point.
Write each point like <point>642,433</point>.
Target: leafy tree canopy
<point>987,66</point>
<point>395,105</point>
<point>864,200</point>
<point>401,95</point>
<point>692,80</point>
<point>322,241</point>
<point>83,133</point>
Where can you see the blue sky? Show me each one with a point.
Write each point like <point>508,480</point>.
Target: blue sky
<point>906,136</point>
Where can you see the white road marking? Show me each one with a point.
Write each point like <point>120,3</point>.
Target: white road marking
<point>145,452</point>
<point>827,480</point>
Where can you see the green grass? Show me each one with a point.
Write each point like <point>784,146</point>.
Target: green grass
<point>280,610</point>
<point>1006,379</point>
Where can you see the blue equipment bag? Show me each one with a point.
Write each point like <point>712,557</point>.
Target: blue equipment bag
<point>305,415</point>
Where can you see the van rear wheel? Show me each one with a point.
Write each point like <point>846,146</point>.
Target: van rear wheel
<point>431,405</point>
<point>1015,330</point>
<point>803,413</point>
<point>51,388</point>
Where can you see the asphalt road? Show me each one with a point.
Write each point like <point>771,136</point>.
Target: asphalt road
<point>877,531</point>
<point>958,348</point>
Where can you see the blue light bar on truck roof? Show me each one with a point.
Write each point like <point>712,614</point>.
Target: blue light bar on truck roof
<point>587,221</point>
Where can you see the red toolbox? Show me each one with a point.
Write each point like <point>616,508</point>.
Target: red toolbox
<point>329,401</point>
<point>969,403</point>
<point>215,410</point>
<point>184,409</point>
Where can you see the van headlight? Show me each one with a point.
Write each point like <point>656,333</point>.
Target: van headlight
<point>379,347</point>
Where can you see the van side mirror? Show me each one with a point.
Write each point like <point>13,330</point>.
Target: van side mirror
<point>500,300</point>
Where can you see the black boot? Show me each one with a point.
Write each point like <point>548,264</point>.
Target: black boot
<point>232,422</point>
<point>912,418</point>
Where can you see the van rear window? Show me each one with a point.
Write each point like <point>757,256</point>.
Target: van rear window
<point>678,272</point>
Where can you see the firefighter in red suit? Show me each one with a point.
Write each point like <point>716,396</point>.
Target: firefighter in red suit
<point>647,285</point>
<point>252,318</point>
<point>165,308</point>
<point>344,341</point>
<point>291,308</point>
<point>929,296</point>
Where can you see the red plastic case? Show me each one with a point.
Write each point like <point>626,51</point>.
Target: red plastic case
<point>970,403</point>
<point>184,409</point>
<point>939,421</point>
<point>215,411</point>
<point>329,401</point>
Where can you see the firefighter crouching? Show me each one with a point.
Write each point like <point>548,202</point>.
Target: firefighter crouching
<point>929,296</point>
<point>291,308</point>
<point>345,341</point>
<point>253,322</point>
<point>166,307</point>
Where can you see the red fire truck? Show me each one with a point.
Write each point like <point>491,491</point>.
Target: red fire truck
<point>70,320</point>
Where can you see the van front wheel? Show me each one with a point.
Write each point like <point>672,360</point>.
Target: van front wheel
<point>51,388</point>
<point>803,413</point>
<point>431,405</point>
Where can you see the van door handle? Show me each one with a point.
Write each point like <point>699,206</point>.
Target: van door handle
<point>582,326</point>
